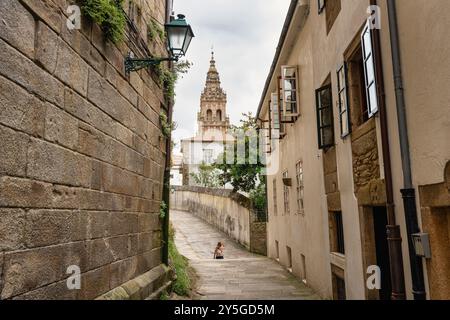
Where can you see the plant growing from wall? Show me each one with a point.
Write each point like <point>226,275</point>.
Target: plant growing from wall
<point>109,15</point>
<point>169,77</point>
<point>155,30</point>
<point>162,210</point>
<point>166,127</point>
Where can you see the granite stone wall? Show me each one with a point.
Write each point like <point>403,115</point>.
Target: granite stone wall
<point>81,153</point>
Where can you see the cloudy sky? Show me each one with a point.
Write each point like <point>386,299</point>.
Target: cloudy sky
<point>244,34</point>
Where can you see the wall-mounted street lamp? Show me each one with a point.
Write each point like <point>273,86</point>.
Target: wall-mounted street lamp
<point>179,36</point>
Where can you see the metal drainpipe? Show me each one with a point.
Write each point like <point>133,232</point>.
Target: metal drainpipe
<point>166,179</point>
<point>392,229</point>
<point>408,192</point>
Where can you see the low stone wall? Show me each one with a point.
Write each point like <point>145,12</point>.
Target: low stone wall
<point>228,211</point>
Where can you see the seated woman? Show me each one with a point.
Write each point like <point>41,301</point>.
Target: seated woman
<point>218,253</point>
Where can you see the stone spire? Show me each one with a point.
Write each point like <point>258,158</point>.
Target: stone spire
<point>212,116</point>
<point>212,87</point>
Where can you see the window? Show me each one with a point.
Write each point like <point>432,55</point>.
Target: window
<point>286,195</point>
<point>333,7</point>
<point>275,207</point>
<point>344,115</point>
<point>275,119</point>
<point>279,97</point>
<point>338,233</point>
<point>324,106</point>
<point>300,186</point>
<point>277,250</point>
<point>209,115</point>
<point>303,271</point>
<point>356,92</point>
<point>289,82</point>
<point>208,156</point>
<point>369,70</point>
<point>321,5</point>
<point>219,115</point>
<point>289,258</point>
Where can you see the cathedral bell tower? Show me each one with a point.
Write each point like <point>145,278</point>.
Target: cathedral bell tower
<point>212,118</point>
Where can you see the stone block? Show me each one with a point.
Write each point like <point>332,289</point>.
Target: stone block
<point>148,222</point>
<point>13,146</point>
<point>94,283</point>
<point>144,241</point>
<point>126,90</point>
<point>123,223</point>
<point>51,163</point>
<point>25,72</point>
<point>54,291</point>
<point>98,225</point>
<point>17,26</point>
<point>50,227</point>
<point>20,110</point>
<point>103,95</point>
<point>48,11</point>
<point>60,127</point>
<point>100,253</point>
<point>64,197</point>
<point>31,269</point>
<point>47,47</point>
<point>122,271</point>
<point>71,69</point>
<point>16,192</point>
<point>120,181</point>
<point>118,247</point>
<point>12,226</point>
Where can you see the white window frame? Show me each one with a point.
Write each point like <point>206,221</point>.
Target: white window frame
<point>299,176</point>
<point>284,90</point>
<point>369,65</point>
<point>344,110</point>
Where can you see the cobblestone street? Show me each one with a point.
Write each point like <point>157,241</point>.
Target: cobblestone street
<point>242,275</point>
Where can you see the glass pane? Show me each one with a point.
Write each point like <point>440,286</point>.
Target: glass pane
<point>373,107</point>
<point>344,123</point>
<point>367,44</point>
<point>289,72</point>
<point>370,71</point>
<point>187,42</point>
<point>325,117</point>
<point>290,84</point>
<point>176,37</point>
<point>327,136</point>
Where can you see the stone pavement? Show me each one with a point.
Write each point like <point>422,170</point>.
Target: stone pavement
<point>241,275</point>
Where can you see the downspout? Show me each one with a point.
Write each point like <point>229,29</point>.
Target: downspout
<point>392,229</point>
<point>166,180</point>
<point>408,191</point>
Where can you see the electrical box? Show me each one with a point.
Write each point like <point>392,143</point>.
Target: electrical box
<point>422,245</point>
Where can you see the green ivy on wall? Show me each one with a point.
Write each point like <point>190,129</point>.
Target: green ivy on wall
<point>168,78</point>
<point>166,127</point>
<point>108,14</point>
<point>155,30</point>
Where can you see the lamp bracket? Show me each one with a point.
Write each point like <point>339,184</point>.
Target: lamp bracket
<point>133,64</point>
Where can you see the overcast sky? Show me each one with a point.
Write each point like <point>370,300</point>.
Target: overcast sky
<point>244,34</point>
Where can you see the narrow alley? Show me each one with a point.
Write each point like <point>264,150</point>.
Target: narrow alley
<point>242,275</point>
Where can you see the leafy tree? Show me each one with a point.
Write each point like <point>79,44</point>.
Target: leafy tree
<point>246,174</point>
<point>207,176</point>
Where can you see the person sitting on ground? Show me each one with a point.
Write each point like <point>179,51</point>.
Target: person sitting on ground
<point>218,253</point>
